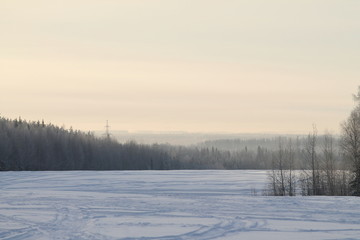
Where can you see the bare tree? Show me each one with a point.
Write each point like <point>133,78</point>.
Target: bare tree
<point>329,165</point>
<point>344,175</point>
<point>277,175</point>
<point>282,177</point>
<point>312,161</point>
<point>290,154</point>
<point>350,144</point>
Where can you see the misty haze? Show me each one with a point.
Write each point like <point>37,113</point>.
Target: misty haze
<point>168,119</point>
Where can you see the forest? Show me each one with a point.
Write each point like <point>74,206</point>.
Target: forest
<point>316,164</point>
<point>38,146</point>
<point>320,160</point>
<point>35,146</point>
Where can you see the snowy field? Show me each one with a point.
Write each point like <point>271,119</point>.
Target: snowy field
<point>165,205</point>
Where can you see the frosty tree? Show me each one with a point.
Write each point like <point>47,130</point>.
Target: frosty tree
<point>351,143</point>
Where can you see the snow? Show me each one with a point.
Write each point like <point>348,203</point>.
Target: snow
<point>214,204</point>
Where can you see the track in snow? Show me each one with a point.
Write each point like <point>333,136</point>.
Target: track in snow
<point>165,205</point>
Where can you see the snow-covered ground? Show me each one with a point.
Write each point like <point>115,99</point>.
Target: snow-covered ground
<point>165,205</point>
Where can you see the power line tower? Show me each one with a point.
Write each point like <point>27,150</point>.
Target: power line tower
<point>107,132</point>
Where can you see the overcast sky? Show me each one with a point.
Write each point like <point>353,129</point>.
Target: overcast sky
<point>180,65</point>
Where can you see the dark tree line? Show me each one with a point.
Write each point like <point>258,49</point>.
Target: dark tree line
<point>33,146</point>
<point>39,146</point>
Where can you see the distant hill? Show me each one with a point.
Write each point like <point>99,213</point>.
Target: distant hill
<point>182,138</point>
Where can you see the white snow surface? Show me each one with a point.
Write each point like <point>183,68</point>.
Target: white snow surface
<point>214,204</point>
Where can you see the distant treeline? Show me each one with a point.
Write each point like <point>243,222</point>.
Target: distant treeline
<point>269,143</point>
<point>39,146</point>
<point>35,146</point>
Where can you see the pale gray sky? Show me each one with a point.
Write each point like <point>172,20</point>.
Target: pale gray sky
<point>180,65</point>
